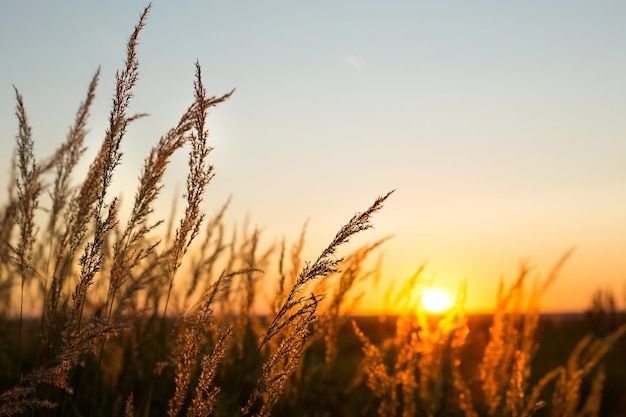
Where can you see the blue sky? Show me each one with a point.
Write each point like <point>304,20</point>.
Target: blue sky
<point>501,125</point>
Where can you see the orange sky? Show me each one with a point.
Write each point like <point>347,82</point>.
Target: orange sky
<point>500,126</point>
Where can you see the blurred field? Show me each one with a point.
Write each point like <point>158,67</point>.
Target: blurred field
<point>336,394</point>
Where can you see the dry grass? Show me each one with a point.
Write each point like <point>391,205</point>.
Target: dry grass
<point>108,342</point>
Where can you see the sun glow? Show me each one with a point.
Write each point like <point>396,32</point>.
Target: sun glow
<point>436,300</point>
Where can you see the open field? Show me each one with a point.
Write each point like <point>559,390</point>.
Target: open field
<point>314,389</point>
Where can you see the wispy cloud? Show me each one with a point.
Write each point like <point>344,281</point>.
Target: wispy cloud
<point>354,61</point>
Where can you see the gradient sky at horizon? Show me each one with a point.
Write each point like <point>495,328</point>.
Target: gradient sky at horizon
<point>502,126</point>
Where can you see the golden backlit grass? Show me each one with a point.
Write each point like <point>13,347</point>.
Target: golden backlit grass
<point>105,340</point>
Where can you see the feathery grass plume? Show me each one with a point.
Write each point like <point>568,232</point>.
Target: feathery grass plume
<point>439,359</point>
<point>55,372</point>
<point>500,354</point>
<point>417,371</point>
<point>77,340</point>
<point>506,365</point>
<point>583,359</point>
<point>101,173</point>
<point>197,324</point>
<point>383,382</point>
<point>424,351</point>
<point>377,379</point>
<point>336,312</point>
<point>186,359</point>
<point>295,317</point>
<point>91,199</point>
<point>494,351</point>
<point>531,314</point>
<point>18,400</point>
<point>129,408</point>
<point>465,398</point>
<point>282,363</point>
<point>457,319</point>
<point>131,249</point>
<point>592,404</point>
<point>533,404</point>
<point>78,337</point>
<point>413,369</point>
<point>205,398</point>
<point>324,265</point>
<point>28,189</point>
<point>199,176</point>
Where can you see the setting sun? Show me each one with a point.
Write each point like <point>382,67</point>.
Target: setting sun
<point>436,300</point>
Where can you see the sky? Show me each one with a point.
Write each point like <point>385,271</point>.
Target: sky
<point>501,125</point>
